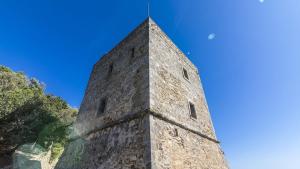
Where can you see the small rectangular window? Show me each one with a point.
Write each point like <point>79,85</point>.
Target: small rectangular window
<point>175,132</point>
<point>185,74</point>
<point>132,52</point>
<point>193,110</point>
<point>111,68</point>
<point>102,106</point>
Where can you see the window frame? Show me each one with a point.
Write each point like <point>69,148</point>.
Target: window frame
<point>111,68</point>
<point>176,132</point>
<point>102,106</point>
<point>193,114</point>
<point>132,52</point>
<point>185,74</point>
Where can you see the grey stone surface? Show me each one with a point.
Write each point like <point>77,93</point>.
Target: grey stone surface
<point>123,146</point>
<point>170,92</point>
<point>31,156</point>
<point>175,148</point>
<point>147,120</point>
<point>126,88</point>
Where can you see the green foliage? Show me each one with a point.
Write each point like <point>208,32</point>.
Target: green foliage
<point>4,69</point>
<point>55,134</point>
<point>56,151</point>
<point>16,90</point>
<point>29,115</point>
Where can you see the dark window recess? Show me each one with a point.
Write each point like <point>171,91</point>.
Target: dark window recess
<point>185,74</point>
<point>102,106</point>
<point>193,110</point>
<point>175,132</point>
<point>132,52</point>
<point>111,68</point>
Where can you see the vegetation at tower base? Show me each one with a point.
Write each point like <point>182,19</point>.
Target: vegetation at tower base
<point>29,116</point>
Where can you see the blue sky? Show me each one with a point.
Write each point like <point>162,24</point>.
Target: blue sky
<point>248,54</point>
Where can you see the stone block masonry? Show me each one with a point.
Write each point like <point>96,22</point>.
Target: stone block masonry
<point>144,108</point>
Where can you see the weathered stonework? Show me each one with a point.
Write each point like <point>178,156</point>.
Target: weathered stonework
<point>170,92</point>
<point>122,146</point>
<point>175,148</point>
<point>137,112</point>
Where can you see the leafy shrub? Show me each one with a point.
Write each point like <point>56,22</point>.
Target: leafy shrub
<point>28,114</point>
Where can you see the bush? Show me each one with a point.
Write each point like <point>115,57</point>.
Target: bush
<point>29,115</point>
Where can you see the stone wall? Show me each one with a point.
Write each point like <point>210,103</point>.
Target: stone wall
<point>175,148</point>
<point>170,92</point>
<point>123,146</point>
<point>126,88</point>
<point>147,121</point>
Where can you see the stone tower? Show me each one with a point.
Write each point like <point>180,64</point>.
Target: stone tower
<point>144,108</point>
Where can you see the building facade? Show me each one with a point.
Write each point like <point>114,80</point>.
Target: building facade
<point>144,108</point>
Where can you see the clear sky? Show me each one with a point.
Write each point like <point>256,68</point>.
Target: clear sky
<point>247,51</point>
